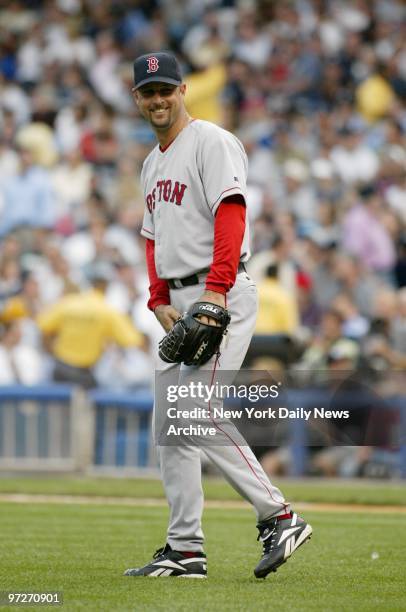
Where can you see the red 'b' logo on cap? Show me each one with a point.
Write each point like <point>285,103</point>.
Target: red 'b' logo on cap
<point>153,64</point>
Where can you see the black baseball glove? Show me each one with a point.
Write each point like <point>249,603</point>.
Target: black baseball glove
<point>192,341</point>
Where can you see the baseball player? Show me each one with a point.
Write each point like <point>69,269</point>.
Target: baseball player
<point>196,234</point>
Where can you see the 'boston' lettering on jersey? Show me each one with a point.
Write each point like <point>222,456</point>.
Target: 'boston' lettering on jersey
<point>168,191</point>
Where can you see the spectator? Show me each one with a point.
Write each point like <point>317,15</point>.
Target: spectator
<point>395,194</point>
<point>318,261</point>
<point>19,362</point>
<point>103,73</point>
<point>84,247</point>
<point>27,197</point>
<point>25,306</point>
<point>373,247</point>
<point>78,328</point>
<point>328,342</point>
<point>14,100</point>
<point>8,162</point>
<point>299,199</point>
<point>252,43</point>
<point>309,311</point>
<point>71,180</point>
<point>353,161</point>
<point>277,312</point>
<point>204,87</point>
<point>354,280</point>
<point>54,276</point>
<point>10,273</point>
<point>326,230</point>
<point>38,137</point>
<point>124,370</point>
<point>375,96</point>
<point>355,325</point>
<point>279,254</point>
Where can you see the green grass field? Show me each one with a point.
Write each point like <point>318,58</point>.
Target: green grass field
<point>82,550</point>
<point>310,490</point>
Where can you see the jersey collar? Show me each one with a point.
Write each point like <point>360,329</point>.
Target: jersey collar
<point>165,148</point>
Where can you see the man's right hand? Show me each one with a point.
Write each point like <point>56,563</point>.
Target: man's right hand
<point>167,315</point>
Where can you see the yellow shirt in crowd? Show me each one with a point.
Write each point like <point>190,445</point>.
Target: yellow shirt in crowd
<point>83,324</point>
<point>203,93</point>
<point>374,97</point>
<point>278,313</point>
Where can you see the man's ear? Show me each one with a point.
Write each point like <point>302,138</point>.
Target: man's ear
<point>182,88</point>
<point>136,96</point>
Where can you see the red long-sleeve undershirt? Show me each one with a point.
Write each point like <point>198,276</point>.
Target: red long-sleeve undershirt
<point>226,254</point>
<point>158,287</point>
<point>229,227</point>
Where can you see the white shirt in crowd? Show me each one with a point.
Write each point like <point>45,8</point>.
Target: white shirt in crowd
<point>20,365</point>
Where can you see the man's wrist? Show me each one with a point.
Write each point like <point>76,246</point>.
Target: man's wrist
<point>159,305</point>
<point>215,297</point>
<point>153,304</point>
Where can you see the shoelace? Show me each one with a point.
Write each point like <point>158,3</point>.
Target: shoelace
<point>160,552</point>
<point>267,544</point>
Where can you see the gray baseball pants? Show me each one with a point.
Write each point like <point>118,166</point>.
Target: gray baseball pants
<point>180,464</point>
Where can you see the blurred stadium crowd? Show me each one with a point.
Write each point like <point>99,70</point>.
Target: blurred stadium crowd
<point>316,92</point>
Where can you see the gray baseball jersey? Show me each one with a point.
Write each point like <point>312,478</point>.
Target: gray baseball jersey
<point>183,187</point>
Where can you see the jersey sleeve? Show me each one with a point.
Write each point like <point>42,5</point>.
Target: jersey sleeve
<point>224,167</point>
<point>147,229</point>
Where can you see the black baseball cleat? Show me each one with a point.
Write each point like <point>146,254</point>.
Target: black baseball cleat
<point>168,562</point>
<point>280,538</point>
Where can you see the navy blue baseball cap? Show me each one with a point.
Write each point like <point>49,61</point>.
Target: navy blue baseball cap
<point>156,68</point>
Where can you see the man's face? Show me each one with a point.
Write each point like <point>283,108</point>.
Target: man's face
<point>160,103</point>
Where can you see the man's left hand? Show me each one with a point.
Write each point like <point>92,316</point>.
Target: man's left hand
<point>214,298</point>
